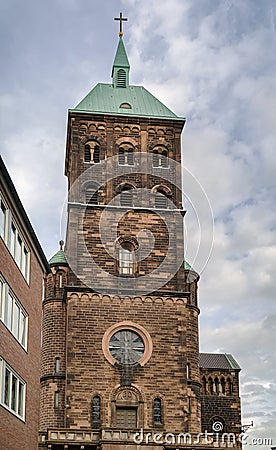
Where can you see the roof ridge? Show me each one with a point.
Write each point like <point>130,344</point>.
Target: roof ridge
<point>233,363</point>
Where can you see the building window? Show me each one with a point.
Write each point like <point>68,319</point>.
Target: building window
<point>157,411</point>
<point>125,193</point>
<point>160,158</point>
<point>12,314</point>
<point>188,404</point>
<point>87,153</point>
<point>126,347</point>
<point>229,387</point>
<point>125,105</point>
<point>126,198</point>
<point>188,371</point>
<point>56,400</point>
<point>126,259</point>
<point>13,390</point>
<point>222,383</point>
<point>126,417</point>
<point>3,219</point>
<point>126,156</point>
<point>91,197</point>
<point>121,78</point>
<point>90,191</point>
<point>96,154</point>
<point>96,411</point>
<point>19,250</point>
<point>204,385</point>
<point>161,200</point>
<point>92,152</point>
<point>57,365</point>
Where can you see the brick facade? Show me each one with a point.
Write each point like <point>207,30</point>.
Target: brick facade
<point>96,399</point>
<point>20,433</point>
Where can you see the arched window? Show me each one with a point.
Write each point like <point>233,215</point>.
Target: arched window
<point>216,386</point>
<point>126,198</point>
<point>204,385</point>
<point>161,200</point>
<point>126,156</point>
<point>157,411</point>
<point>57,365</point>
<point>126,259</point>
<point>92,152</point>
<point>229,387</point>
<point>87,153</point>
<point>160,158</point>
<point>222,383</point>
<point>96,411</point>
<point>125,105</point>
<point>96,154</point>
<point>91,197</point>
<point>164,159</point>
<point>90,192</point>
<point>126,195</point>
<point>210,385</point>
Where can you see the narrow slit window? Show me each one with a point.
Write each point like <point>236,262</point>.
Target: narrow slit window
<point>96,154</point>
<point>87,153</point>
<point>130,160</point>
<point>57,365</point>
<point>157,411</point>
<point>56,401</point>
<point>96,411</point>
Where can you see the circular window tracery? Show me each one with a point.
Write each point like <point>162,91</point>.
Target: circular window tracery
<point>126,346</point>
<point>127,343</point>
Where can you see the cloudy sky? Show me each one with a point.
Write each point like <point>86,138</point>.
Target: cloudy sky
<point>212,61</point>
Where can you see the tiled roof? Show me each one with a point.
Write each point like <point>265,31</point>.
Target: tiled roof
<point>58,258</point>
<point>217,361</point>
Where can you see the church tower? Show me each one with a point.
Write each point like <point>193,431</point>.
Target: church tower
<point>120,356</point>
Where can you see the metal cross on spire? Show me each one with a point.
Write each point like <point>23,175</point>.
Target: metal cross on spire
<point>121,19</point>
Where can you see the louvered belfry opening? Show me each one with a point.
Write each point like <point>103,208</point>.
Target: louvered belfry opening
<point>121,78</point>
<point>161,200</point>
<point>96,154</point>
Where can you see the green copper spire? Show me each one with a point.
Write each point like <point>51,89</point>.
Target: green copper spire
<point>120,69</point>
<point>121,98</point>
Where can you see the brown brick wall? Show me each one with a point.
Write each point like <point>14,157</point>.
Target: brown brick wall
<point>53,347</point>
<point>221,405</point>
<point>89,316</point>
